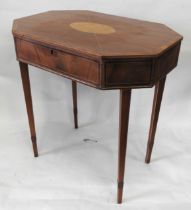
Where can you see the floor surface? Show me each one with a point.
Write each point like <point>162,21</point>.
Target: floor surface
<point>77,169</point>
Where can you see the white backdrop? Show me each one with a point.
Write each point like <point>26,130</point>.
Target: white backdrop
<point>71,173</point>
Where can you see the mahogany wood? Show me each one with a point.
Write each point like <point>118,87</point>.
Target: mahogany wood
<point>138,53</point>
<point>166,62</point>
<point>63,63</point>
<point>28,100</point>
<point>159,88</point>
<point>132,38</point>
<point>125,98</point>
<point>99,50</point>
<point>128,72</point>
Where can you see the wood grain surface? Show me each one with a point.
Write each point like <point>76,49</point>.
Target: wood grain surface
<point>103,51</point>
<point>132,37</point>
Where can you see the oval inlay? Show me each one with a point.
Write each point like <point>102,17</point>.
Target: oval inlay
<point>90,27</point>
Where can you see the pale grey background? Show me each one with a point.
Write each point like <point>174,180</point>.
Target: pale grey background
<point>72,174</point>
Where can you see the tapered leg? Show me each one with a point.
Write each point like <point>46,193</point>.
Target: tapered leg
<point>75,109</point>
<point>28,101</point>
<point>125,98</point>
<point>154,117</point>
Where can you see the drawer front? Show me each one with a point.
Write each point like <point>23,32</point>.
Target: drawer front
<point>124,73</point>
<point>63,63</point>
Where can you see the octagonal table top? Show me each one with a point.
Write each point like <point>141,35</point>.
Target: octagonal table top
<point>96,34</point>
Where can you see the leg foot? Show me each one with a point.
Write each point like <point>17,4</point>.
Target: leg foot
<point>120,192</point>
<point>75,109</point>
<point>34,144</point>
